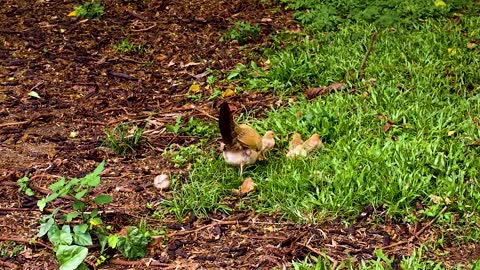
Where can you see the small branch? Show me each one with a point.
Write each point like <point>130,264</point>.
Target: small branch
<point>9,265</point>
<point>319,253</point>
<point>148,262</point>
<point>361,72</point>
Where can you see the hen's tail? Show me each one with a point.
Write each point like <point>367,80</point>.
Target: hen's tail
<point>226,124</point>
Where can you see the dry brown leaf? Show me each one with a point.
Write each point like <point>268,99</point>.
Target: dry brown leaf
<point>316,91</point>
<point>247,186</point>
<point>387,126</point>
<point>337,86</point>
<point>471,44</point>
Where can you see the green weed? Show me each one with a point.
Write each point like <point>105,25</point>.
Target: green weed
<point>241,32</point>
<point>123,138</point>
<point>10,249</point>
<point>89,10</point>
<point>126,46</point>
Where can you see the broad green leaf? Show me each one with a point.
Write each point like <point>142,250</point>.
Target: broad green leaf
<point>95,221</point>
<point>103,199</point>
<point>45,227</point>
<point>60,237</point>
<point>102,238</point>
<point>99,168</point>
<point>70,257</point>
<point>70,216</point>
<point>134,244</point>
<point>81,236</point>
<point>57,185</point>
<point>82,228</point>
<point>112,240</point>
<point>232,75</point>
<point>78,205</point>
<point>80,194</point>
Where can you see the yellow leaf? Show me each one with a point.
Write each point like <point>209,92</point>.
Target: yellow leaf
<point>195,89</point>
<point>73,134</point>
<point>270,228</point>
<point>73,14</point>
<point>440,3</point>
<point>450,133</point>
<point>452,51</point>
<point>228,93</point>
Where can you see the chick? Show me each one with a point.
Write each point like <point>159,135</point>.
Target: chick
<point>299,148</point>
<point>239,158</point>
<point>312,143</point>
<point>268,142</point>
<point>295,145</point>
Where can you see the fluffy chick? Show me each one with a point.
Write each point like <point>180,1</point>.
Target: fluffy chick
<point>299,148</point>
<point>295,145</point>
<point>239,158</point>
<point>312,143</point>
<point>268,142</point>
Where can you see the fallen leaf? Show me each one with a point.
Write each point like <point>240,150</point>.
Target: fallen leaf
<point>336,86</point>
<point>247,186</point>
<point>73,134</point>
<point>452,51</point>
<point>228,93</point>
<point>471,44</point>
<point>440,3</point>
<point>266,20</point>
<point>195,89</point>
<point>33,94</point>
<point>161,57</point>
<point>73,14</point>
<point>161,181</point>
<point>316,91</point>
<point>387,126</point>
<point>451,133</point>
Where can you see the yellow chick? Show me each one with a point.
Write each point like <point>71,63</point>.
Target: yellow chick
<point>268,142</point>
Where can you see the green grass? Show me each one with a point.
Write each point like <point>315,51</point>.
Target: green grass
<point>426,90</point>
<point>382,262</point>
<point>124,138</point>
<point>126,46</point>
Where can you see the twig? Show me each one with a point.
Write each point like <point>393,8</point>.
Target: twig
<point>150,262</point>
<point>144,29</point>
<point>319,253</point>
<point>416,235</point>
<point>206,114</point>
<point>9,265</point>
<point>361,72</point>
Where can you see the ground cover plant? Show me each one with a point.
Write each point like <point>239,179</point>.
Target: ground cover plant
<point>109,135</point>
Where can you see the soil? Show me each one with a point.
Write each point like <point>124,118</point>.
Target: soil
<point>86,86</point>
